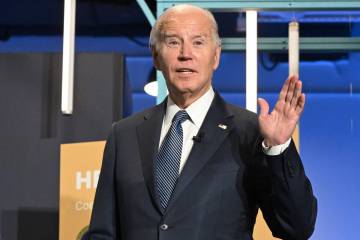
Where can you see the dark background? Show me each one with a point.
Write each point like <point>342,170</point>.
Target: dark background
<point>32,129</point>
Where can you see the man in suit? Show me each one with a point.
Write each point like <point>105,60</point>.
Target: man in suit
<point>195,167</point>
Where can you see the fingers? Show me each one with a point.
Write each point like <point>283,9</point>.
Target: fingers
<point>293,95</point>
<point>291,89</point>
<point>300,104</point>
<point>296,94</point>
<point>284,90</point>
<point>264,106</point>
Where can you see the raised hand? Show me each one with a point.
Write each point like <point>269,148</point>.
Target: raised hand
<point>278,126</point>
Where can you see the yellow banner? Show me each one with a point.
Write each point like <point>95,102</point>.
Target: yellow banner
<point>80,165</point>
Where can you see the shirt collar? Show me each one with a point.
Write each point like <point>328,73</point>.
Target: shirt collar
<point>197,110</point>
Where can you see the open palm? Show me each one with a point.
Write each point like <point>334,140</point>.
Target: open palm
<point>278,126</point>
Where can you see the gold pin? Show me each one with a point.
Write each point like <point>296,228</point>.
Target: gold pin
<point>222,126</point>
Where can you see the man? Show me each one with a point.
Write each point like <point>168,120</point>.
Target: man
<point>195,167</point>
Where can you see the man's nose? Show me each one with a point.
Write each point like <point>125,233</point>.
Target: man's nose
<point>185,52</point>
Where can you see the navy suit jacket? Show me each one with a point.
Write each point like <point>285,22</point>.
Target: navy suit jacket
<point>224,182</point>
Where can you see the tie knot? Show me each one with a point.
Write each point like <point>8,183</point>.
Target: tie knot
<point>180,116</point>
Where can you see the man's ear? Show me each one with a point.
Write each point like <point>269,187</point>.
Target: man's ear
<point>217,57</point>
<point>155,56</point>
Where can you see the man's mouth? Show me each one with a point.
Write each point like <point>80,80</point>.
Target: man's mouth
<point>185,70</point>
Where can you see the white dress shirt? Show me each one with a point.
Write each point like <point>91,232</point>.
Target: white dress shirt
<point>197,112</point>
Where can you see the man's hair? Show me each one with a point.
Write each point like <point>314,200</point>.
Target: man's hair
<point>155,34</point>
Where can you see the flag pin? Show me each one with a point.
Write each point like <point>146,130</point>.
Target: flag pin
<point>222,126</point>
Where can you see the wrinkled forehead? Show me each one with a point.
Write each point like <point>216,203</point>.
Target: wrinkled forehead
<point>189,24</point>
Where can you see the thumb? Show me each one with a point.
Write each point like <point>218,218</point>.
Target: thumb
<point>264,106</point>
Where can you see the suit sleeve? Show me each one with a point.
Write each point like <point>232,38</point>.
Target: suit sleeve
<point>279,186</point>
<point>103,222</point>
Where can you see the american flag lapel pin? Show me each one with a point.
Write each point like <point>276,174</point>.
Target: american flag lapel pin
<point>222,126</point>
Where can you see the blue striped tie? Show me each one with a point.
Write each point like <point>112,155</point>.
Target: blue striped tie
<point>167,163</point>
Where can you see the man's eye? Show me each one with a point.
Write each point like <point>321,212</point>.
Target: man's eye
<point>198,43</point>
<point>173,43</point>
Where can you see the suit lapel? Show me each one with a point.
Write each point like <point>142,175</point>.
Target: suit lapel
<point>148,134</point>
<point>215,128</point>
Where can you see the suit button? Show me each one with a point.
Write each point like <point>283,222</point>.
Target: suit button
<point>164,227</point>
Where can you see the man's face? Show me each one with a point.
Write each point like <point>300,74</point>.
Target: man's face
<point>187,53</point>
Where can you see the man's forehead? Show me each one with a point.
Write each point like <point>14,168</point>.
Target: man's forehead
<point>175,33</point>
<point>185,28</point>
<point>188,18</point>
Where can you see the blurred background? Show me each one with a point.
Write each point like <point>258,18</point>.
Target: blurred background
<point>112,66</point>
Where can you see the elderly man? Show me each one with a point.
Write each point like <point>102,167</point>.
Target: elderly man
<point>195,167</point>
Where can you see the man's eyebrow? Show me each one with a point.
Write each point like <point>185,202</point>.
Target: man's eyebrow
<point>168,35</point>
<point>200,36</point>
